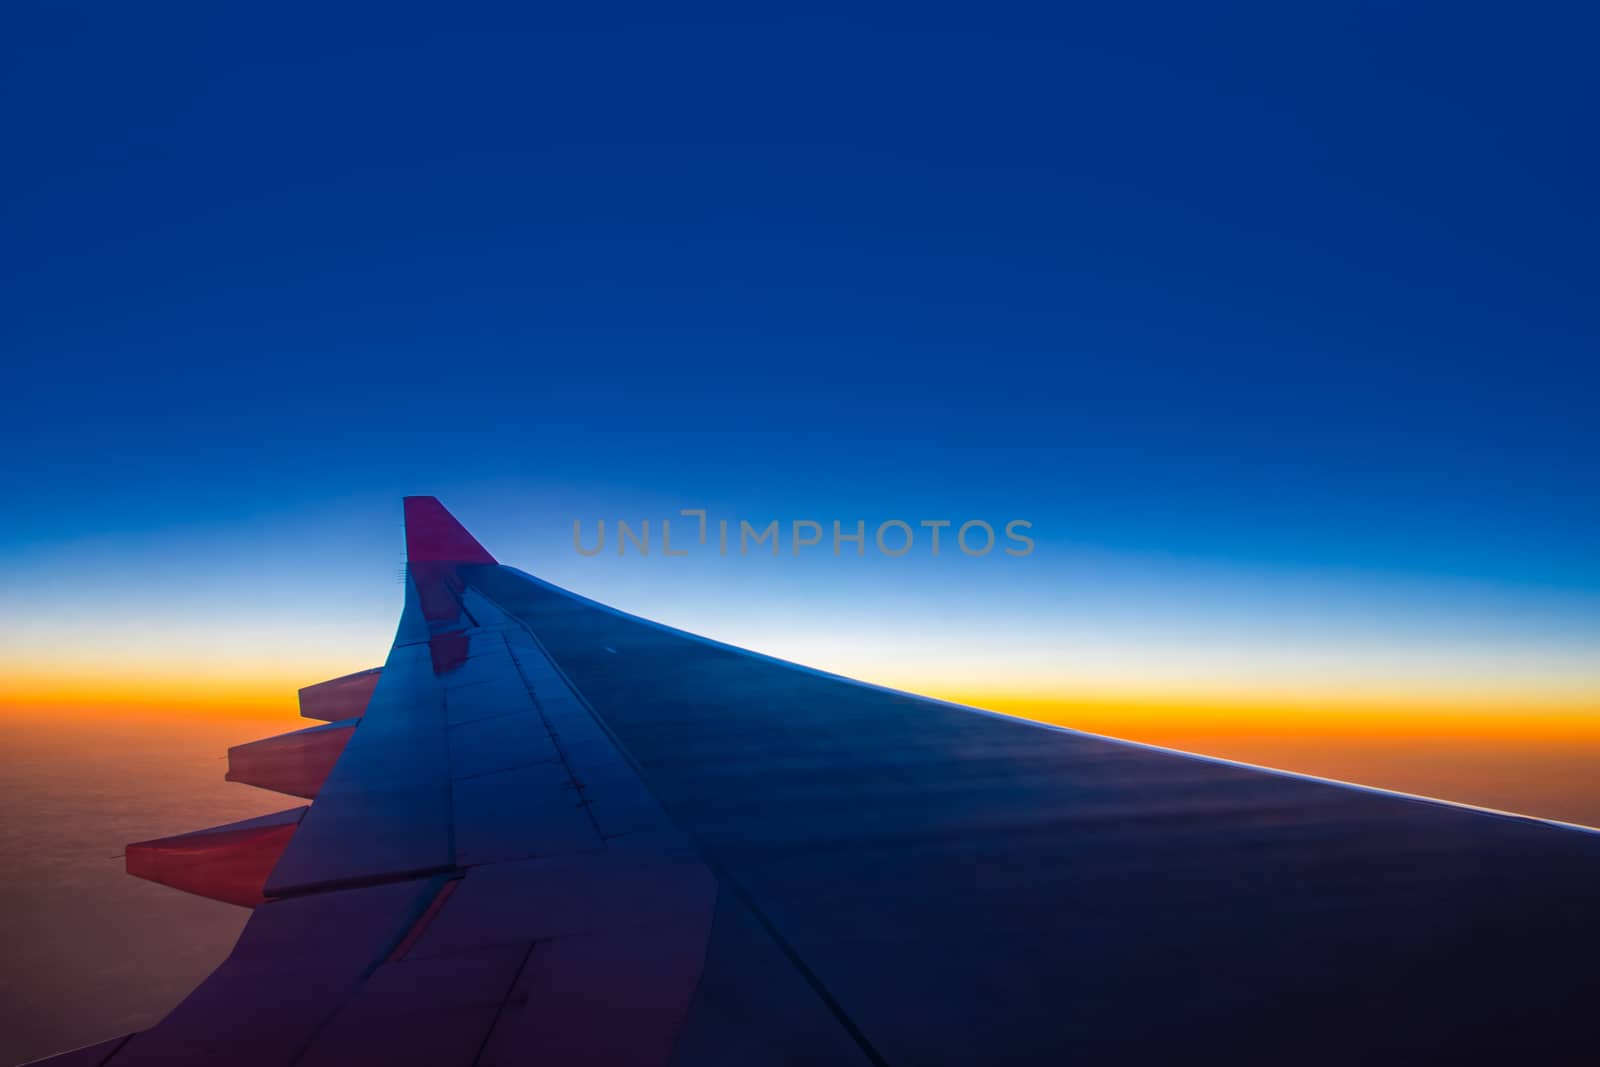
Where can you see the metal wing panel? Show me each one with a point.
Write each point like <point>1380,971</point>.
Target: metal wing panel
<point>967,886</point>
<point>384,810</point>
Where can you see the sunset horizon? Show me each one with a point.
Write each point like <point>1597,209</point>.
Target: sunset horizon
<point>887,537</point>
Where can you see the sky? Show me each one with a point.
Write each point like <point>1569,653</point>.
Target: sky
<point>1277,324</point>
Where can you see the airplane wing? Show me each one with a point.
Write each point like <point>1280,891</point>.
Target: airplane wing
<point>547,832</point>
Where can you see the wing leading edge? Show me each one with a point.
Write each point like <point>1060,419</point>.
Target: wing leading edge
<point>561,834</point>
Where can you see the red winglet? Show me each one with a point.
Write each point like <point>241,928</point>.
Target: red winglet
<point>296,763</point>
<point>434,536</point>
<point>229,863</point>
<point>340,698</point>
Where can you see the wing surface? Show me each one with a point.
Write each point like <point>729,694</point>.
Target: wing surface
<point>560,834</point>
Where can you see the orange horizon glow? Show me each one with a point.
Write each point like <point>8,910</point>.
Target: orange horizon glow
<point>222,690</point>
<point>1532,754</point>
<point>1408,715</point>
<point>218,691</point>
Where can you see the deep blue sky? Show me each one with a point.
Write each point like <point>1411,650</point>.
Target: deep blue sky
<point>1300,292</point>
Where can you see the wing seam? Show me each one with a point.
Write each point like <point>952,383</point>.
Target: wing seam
<point>835,1008</point>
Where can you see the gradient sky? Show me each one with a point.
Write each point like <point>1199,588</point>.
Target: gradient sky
<point>1278,325</point>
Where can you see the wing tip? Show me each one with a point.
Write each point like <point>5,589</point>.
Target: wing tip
<point>433,535</point>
